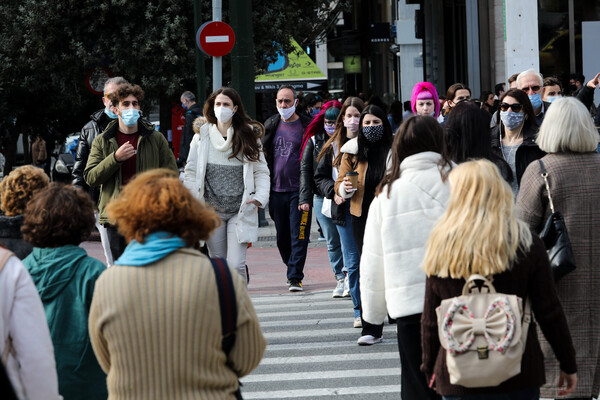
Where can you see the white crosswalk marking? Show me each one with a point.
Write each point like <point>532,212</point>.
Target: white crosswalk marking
<point>312,352</point>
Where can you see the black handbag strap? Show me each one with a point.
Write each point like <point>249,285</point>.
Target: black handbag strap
<point>545,176</point>
<point>227,302</point>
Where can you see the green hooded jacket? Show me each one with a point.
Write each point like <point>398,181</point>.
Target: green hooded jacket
<point>65,278</point>
<point>103,169</point>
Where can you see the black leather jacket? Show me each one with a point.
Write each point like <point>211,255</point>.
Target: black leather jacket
<point>308,166</point>
<point>326,186</point>
<point>97,124</point>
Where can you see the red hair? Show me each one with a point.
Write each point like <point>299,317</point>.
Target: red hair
<point>316,124</point>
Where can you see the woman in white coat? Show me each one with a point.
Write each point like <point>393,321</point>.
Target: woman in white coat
<point>26,347</point>
<point>410,198</point>
<point>226,168</point>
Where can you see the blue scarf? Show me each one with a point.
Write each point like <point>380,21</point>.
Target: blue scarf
<point>156,245</point>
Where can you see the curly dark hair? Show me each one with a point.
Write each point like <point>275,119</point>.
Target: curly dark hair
<point>57,216</point>
<point>124,91</point>
<point>17,189</point>
<point>155,201</point>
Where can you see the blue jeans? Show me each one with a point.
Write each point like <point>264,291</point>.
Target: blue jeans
<point>525,394</point>
<point>293,231</point>
<point>334,247</point>
<point>351,259</point>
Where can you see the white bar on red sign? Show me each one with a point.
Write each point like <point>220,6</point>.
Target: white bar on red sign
<point>217,39</point>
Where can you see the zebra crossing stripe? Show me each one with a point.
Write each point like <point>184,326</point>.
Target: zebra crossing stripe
<point>390,330</point>
<point>321,374</point>
<point>337,358</point>
<point>312,393</point>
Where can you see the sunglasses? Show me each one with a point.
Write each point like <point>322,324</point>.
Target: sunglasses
<point>515,107</point>
<point>533,88</point>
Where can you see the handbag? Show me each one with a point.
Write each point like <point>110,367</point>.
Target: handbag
<point>556,238</point>
<point>326,208</point>
<point>483,333</point>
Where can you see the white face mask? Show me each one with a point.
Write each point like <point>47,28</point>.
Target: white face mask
<point>224,114</point>
<point>286,113</point>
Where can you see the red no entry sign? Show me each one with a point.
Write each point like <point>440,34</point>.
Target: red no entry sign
<point>215,38</point>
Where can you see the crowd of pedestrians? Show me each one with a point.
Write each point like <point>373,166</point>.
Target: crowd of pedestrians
<point>411,207</point>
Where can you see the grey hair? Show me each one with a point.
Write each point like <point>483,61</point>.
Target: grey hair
<point>189,96</point>
<point>567,127</point>
<point>287,87</point>
<point>532,72</point>
<point>117,80</point>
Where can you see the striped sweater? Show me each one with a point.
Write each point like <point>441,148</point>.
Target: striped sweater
<point>156,331</point>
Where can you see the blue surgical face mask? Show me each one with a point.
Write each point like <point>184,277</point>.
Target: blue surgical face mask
<point>512,120</point>
<point>550,99</point>
<point>329,129</point>
<point>314,112</point>
<point>184,107</point>
<point>373,133</point>
<point>110,114</point>
<point>130,116</point>
<point>536,100</point>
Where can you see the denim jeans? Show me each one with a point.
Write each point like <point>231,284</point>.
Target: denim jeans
<point>351,259</point>
<point>293,231</point>
<point>525,394</point>
<point>334,247</point>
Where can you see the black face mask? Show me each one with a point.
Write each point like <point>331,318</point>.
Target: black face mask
<point>573,87</point>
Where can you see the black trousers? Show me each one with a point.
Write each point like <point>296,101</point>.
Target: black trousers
<point>116,241</point>
<point>413,384</point>
<point>358,231</point>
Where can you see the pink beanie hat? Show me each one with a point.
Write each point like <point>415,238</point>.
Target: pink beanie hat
<point>425,90</point>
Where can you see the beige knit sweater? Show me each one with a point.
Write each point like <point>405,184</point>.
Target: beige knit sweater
<point>156,331</point>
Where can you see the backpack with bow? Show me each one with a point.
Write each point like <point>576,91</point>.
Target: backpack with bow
<point>484,334</point>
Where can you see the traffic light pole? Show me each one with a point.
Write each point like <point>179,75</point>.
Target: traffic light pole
<point>217,61</point>
<point>200,73</point>
<point>242,55</point>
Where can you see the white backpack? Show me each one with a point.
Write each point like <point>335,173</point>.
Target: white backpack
<point>483,333</point>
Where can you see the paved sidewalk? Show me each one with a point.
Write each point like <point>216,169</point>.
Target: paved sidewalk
<point>267,271</point>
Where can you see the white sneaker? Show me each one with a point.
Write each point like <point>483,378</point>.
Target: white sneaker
<point>339,290</point>
<point>368,340</point>
<point>346,288</point>
<point>357,322</point>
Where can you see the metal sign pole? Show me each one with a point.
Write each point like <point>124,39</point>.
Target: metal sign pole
<point>217,61</point>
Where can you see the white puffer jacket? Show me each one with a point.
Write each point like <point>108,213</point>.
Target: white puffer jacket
<point>256,181</point>
<point>391,278</point>
<point>30,366</point>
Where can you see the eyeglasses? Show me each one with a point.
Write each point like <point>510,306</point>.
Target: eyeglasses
<point>531,88</point>
<point>329,123</point>
<point>516,107</point>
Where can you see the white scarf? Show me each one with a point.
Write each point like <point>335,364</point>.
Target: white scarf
<point>217,140</point>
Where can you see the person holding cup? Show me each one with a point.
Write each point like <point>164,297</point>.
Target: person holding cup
<point>366,155</point>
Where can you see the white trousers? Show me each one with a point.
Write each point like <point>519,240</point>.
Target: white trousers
<point>224,243</point>
<point>104,241</point>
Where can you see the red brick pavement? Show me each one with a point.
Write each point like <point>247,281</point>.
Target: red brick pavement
<point>267,271</point>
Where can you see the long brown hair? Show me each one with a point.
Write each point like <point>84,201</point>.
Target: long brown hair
<point>417,134</point>
<point>339,136</point>
<point>247,131</point>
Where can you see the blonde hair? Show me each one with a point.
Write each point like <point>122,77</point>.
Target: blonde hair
<point>478,233</point>
<point>567,127</point>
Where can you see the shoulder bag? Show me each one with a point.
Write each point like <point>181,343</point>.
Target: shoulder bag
<point>228,306</point>
<point>556,238</point>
